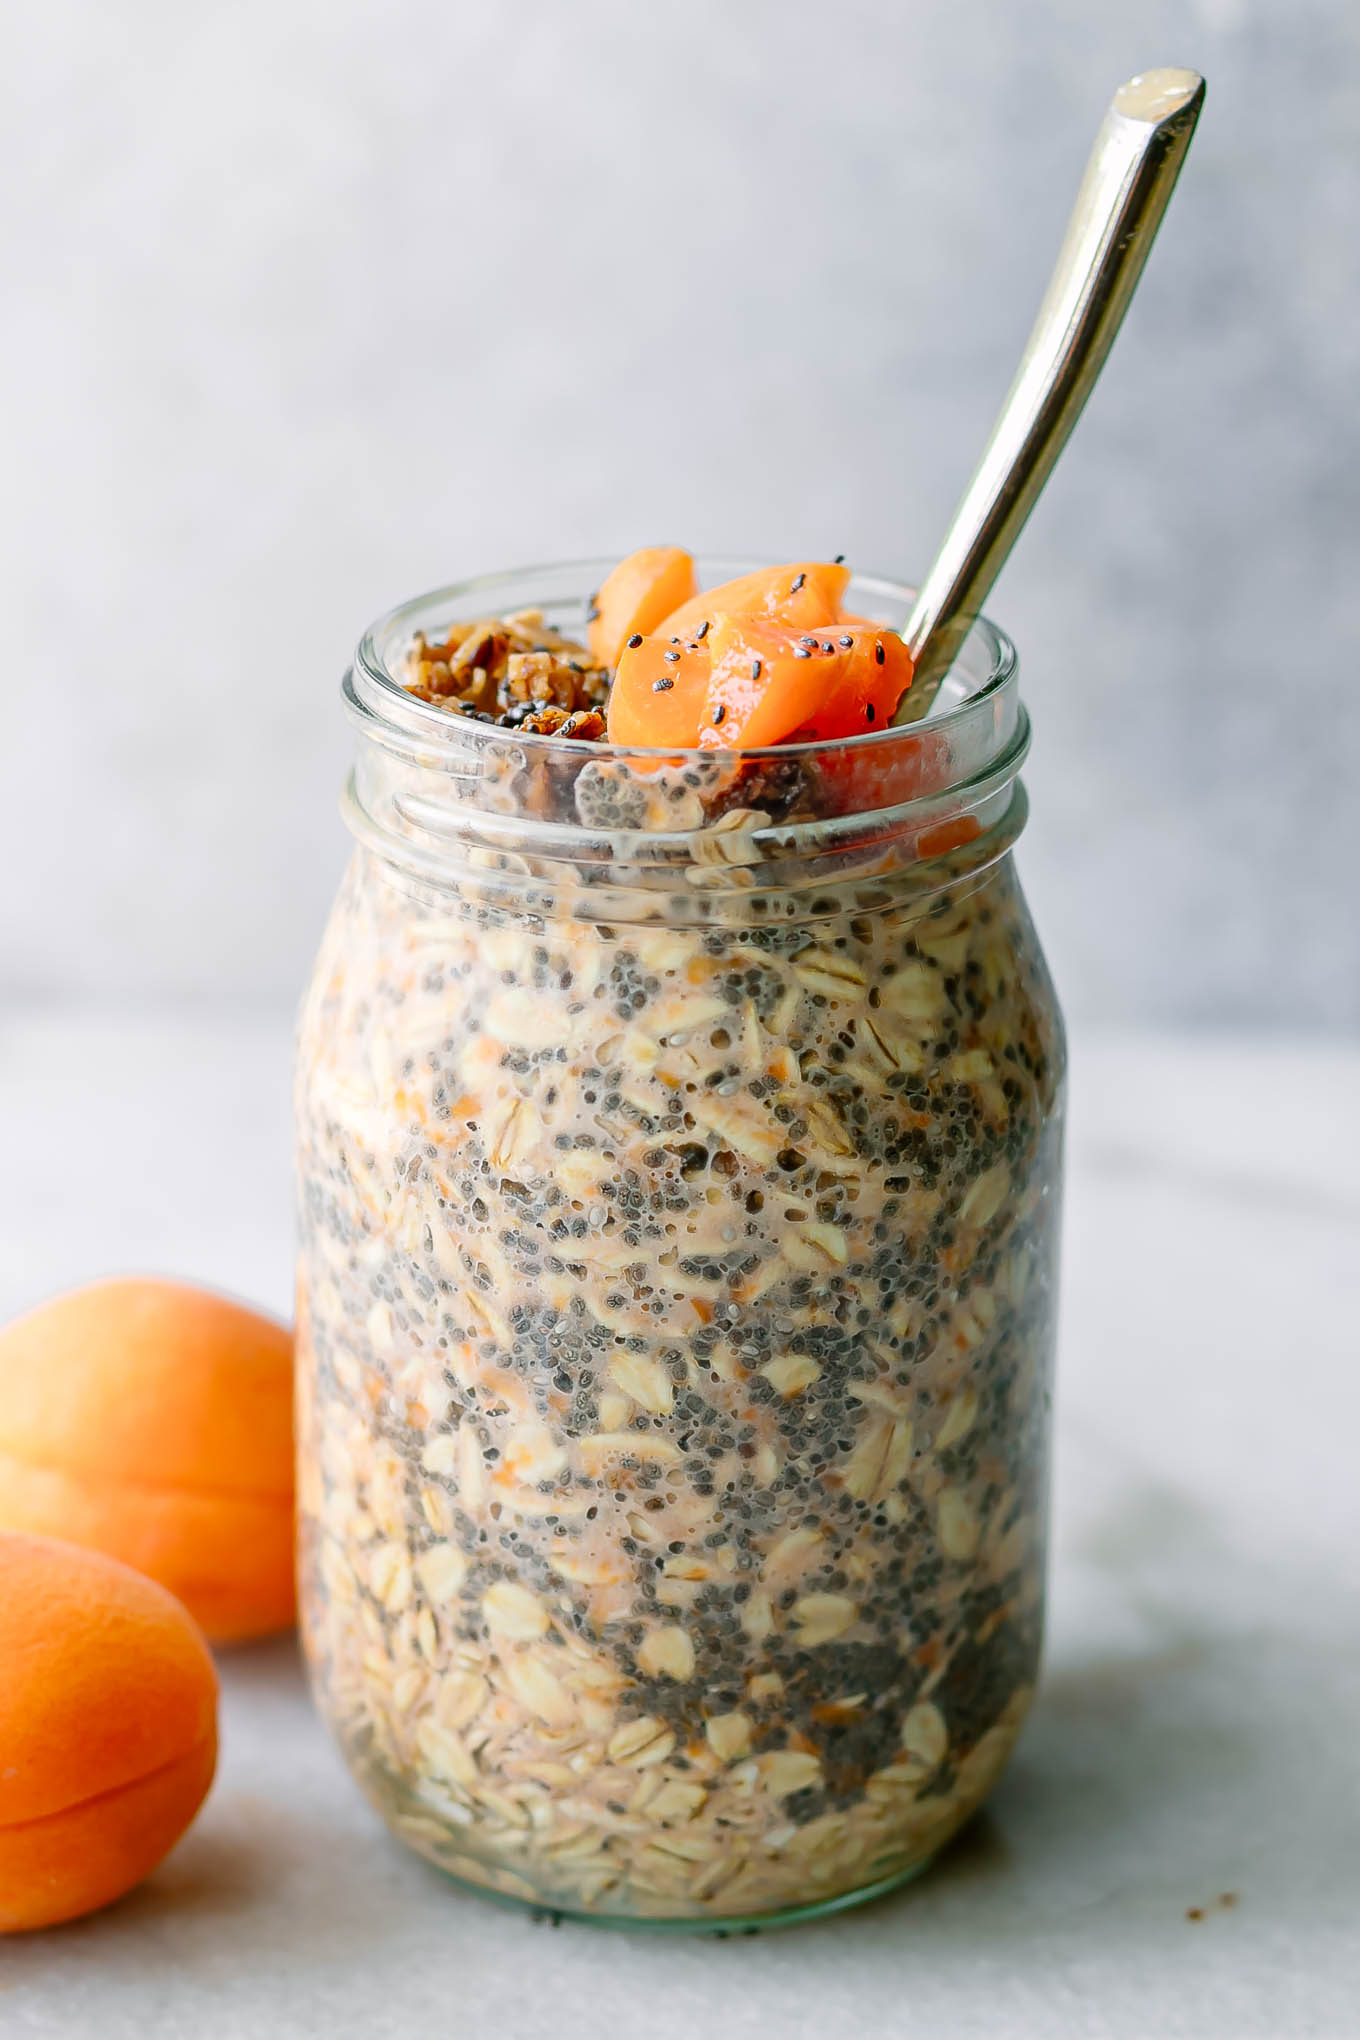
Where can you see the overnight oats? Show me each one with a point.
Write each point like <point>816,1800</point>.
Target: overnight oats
<point>679,1164</point>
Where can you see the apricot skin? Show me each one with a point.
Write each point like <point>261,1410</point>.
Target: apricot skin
<point>153,1421</point>
<point>108,1727</point>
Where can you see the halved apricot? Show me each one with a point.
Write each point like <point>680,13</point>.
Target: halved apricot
<point>637,597</point>
<point>802,595</point>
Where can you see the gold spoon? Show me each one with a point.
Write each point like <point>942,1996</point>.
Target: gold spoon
<point>1129,179</point>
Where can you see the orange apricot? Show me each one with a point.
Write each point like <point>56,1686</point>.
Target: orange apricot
<point>751,682</point>
<point>802,596</point>
<point>767,684</point>
<point>659,693</point>
<point>912,763</point>
<point>636,596</point>
<point>108,1729</point>
<point>153,1421</point>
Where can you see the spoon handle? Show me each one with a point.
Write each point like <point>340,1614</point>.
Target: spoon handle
<point>1129,179</point>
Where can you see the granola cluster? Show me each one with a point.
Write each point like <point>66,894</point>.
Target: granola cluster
<point>514,671</point>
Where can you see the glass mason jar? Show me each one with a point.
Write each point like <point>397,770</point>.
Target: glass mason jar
<point>679,1160</point>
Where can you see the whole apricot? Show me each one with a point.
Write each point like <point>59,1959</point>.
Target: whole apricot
<point>153,1421</point>
<point>108,1728</point>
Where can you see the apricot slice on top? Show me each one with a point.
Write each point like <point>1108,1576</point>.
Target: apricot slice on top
<point>637,597</point>
<point>802,595</point>
<point>659,693</point>
<point>760,660</point>
<point>767,683</point>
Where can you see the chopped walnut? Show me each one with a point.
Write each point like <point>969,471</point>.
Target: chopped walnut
<point>510,670</point>
<point>553,721</point>
<point>539,676</point>
<point>482,650</point>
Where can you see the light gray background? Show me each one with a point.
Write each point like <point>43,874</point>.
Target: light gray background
<point>308,307</point>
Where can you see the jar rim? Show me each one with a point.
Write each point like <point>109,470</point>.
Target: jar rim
<point>375,693</point>
<point>448,798</point>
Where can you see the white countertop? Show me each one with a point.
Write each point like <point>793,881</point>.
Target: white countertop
<point>1198,1728</point>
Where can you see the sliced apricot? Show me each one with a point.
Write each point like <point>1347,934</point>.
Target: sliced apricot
<point>802,595</point>
<point>638,596</point>
<point>768,683</point>
<point>875,671</point>
<point>659,693</point>
<point>866,777</point>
